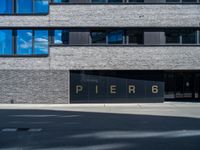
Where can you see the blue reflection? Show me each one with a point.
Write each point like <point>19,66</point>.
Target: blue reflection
<point>61,37</point>
<point>41,6</point>
<point>6,42</point>
<point>115,37</point>
<point>24,42</point>
<point>41,42</point>
<point>24,6</point>
<point>5,6</point>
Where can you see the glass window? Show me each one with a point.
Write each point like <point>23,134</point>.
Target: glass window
<point>24,42</point>
<point>6,42</point>
<point>41,6</point>
<point>61,37</point>
<point>135,37</point>
<point>115,37</point>
<point>98,37</point>
<point>41,42</point>
<point>24,6</point>
<point>98,1</point>
<point>115,1</point>
<point>189,1</point>
<point>189,36</point>
<point>172,1</point>
<point>60,1</point>
<point>136,1</point>
<point>5,6</point>
<point>172,36</point>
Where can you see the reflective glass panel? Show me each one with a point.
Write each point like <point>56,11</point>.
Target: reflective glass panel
<point>6,42</point>
<point>24,42</point>
<point>115,37</point>
<point>5,6</point>
<point>98,37</point>
<point>41,6</point>
<point>61,37</point>
<point>24,6</point>
<point>41,42</point>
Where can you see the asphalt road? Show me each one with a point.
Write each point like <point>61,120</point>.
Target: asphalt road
<point>168,126</point>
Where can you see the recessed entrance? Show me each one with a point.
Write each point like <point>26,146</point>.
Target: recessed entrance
<point>182,85</point>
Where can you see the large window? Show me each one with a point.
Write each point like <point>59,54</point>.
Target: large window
<point>24,7</point>
<point>5,6</point>
<point>185,36</point>
<point>24,42</point>
<point>41,45</point>
<point>6,42</point>
<point>135,36</point>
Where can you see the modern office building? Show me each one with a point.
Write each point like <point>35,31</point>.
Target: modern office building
<point>89,51</point>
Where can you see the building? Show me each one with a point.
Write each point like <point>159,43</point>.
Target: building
<point>69,51</point>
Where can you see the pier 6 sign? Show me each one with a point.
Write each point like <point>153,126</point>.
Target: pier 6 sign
<point>93,88</point>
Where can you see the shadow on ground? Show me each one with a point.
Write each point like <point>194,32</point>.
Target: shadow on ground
<point>74,130</point>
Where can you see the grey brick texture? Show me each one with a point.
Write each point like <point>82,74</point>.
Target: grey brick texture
<point>34,86</point>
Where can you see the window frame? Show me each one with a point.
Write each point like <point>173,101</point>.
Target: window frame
<point>14,43</point>
<point>15,13</point>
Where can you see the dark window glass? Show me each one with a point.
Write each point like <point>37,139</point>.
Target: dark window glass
<point>98,37</point>
<point>98,1</point>
<point>61,37</point>
<point>24,6</point>
<point>115,1</point>
<point>136,1</point>
<point>5,6</point>
<point>189,1</point>
<point>189,36</point>
<point>41,42</point>
<point>172,1</point>
<point>115,37</point>
<point>60,1</point>
<point>135,37</point>
<point>24,42</point>
<point>41,6</point>
<point>172,36</point>
<point>6,42</point>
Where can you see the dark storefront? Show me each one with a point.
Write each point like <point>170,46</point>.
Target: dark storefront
<point>133,86</point>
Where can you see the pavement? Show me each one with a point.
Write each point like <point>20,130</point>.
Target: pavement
<point>158,126</point>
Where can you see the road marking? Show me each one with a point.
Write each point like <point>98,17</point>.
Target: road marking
<point>20,130</point>
<point>35,130</point>
<point>9,130</point>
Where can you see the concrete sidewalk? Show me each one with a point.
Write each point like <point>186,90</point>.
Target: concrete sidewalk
<point>165,109</point>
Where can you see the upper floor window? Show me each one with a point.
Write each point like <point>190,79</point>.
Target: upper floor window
<point>61,37</point>
<point>24,6</point>
<point>24,42</point>
<point>6,43</point>
<point>6,6</point>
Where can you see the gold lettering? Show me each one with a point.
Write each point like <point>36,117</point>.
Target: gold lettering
<point>113,89</point>
<point>154,89</point>
<point>131,89</point>
<point>97,89</point>
<point>79,88</point>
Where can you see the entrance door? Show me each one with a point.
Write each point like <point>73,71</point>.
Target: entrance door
<point>185,86</point>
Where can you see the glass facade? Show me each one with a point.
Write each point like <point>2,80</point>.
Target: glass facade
<point>5,6</point>
<point>41,45</point>
<point>6,42</point>
<point>61,37</point>
<point>24,7</point>
<point>24,42</point>
<point>28,7</point>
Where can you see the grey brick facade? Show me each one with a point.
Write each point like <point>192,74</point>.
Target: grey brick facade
<point>46,79</point>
